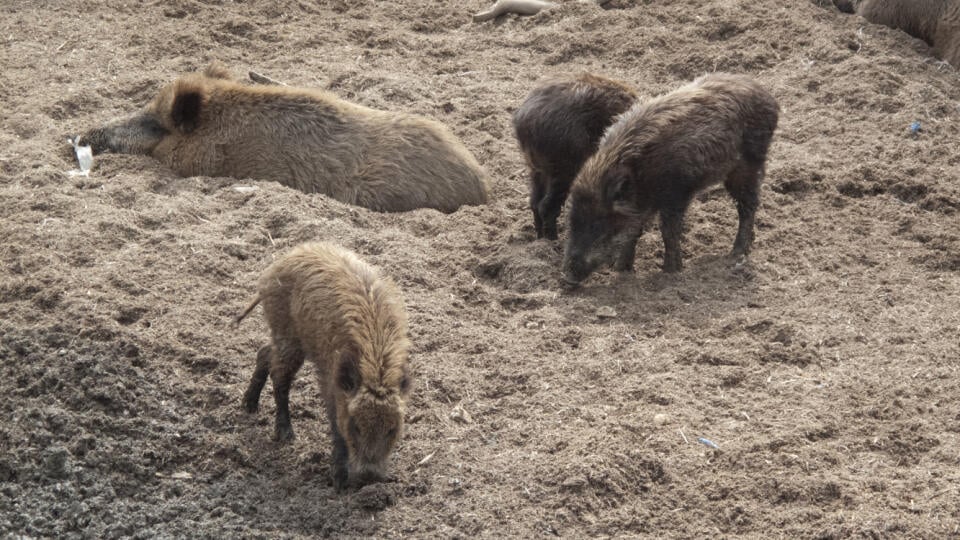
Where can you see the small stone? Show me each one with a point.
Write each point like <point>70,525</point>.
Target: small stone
<point>574,483</point>
<point>606,312</point>
<point>56,463</point>
<point>460,415</point>
<point>783,337</point>
<point>660,419</point>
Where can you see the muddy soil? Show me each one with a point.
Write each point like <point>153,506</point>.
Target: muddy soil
<point>825,371</point>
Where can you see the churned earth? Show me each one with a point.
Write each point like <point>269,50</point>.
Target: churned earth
<point>825,371</point>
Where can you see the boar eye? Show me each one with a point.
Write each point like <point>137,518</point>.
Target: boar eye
<point>405,384</point>
<point>392,434</point>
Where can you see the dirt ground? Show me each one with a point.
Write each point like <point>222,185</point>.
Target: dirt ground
<point>825,370</point>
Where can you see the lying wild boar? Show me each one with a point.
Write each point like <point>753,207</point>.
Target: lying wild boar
<point>937,22</point>
<point>209,124</point>
<point>322,302</point>
<point>558,127</point>
<point>656,157</point>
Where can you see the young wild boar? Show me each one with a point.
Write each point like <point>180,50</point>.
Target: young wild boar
<point>656,157</point>
<point>937,22</point>
<point>209,124</point>
<point>558,128</point>
<point>323,303</point>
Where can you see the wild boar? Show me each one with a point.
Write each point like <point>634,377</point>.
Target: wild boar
<point>210,124</point>
<point>656,157</point>
<point>558,127</point>
<point>323,303</point>
<point>937,22</point>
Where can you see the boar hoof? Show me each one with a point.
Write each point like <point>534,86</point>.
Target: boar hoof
<point>340,477</point>
<point>570,285</point>
<point>283,434</point>
<point>251,406</point>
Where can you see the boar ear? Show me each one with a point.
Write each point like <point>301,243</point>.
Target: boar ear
<point>185,111</point>
<point>617,184</point>
<point>348,376</point>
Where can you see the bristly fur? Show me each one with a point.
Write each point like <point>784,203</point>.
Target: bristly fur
<point>377,324</point>
<point>654,159</point>
<point>304,138</point>
<point>323,303</point>
<point>558,127</point>
<point>359,310</point>
<point>937,22</point>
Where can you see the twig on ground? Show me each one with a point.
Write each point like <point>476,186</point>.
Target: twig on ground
<point>520,7</point>
<point>263,79</point>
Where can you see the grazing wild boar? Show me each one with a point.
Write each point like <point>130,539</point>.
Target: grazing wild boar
<point>308,139</point>
<point>558,128</point>
<point>937,22</point>
<point>323,303</point>
<point>656,157</point>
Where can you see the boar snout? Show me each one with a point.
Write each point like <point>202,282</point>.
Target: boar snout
<point>139,134</point>
<point>577,268</point>
<point>368,473</point>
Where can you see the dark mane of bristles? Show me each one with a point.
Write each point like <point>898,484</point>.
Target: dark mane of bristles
<point>377,324</point>
<point>640,125</point>
<point>608,84</point>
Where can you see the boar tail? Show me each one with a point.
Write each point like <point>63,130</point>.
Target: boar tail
<point>253,303</point>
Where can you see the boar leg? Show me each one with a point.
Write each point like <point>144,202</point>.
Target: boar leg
<point>550,206</point>
<point>251,399</point>
<point>627,253</point>
<point>743,184</point>
<point>536,195</point>
<point>339,470</point>
<point>671,227</point>
<point>287,359</point>
<point>627,240</point>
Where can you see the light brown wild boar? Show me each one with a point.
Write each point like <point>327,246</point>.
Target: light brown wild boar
<point>323,303</point>
<point>558,127</point>
<point>308,139</point>
<point>937,22</point>
<point>656,157</point>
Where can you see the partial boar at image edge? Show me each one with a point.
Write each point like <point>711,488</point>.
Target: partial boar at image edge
<point>936,22</point>
<point>307,139</point>
<point>322,302</point>
<point>656,157</point>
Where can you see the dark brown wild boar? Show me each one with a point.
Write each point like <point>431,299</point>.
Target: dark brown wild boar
<point>656,157</point>
<point>558,127</point>
<point>937,22</point>
<point>323,303</point>
<point>209,124</point>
